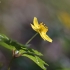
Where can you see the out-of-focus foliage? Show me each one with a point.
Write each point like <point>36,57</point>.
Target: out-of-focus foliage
<point>64,17</point>
<point>1,65</point>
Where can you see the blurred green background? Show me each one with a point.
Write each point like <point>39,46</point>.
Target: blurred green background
<point>15,19</point>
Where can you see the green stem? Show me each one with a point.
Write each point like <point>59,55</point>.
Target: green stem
<point>31,39</point>
<point>10,63</point>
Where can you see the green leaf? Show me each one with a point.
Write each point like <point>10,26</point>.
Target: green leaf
<point>3,37</point>
<point>32,51</point>
<point>36,52</point>
<point>37,60</point>
<point>23,49</point>
<point>5,41</point>
<point>10,44</point>
<point>6,46</point>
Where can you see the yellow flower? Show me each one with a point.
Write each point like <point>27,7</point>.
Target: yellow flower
<point>41,29</point>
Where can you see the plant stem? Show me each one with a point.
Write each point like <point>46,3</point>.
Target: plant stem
<point>31,38</point>
<point>10,63</point>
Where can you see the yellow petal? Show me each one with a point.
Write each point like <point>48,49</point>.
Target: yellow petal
<point>42,36</point>
<point>35,22</point>
<point>33,27</point>
<point>46,37</point>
